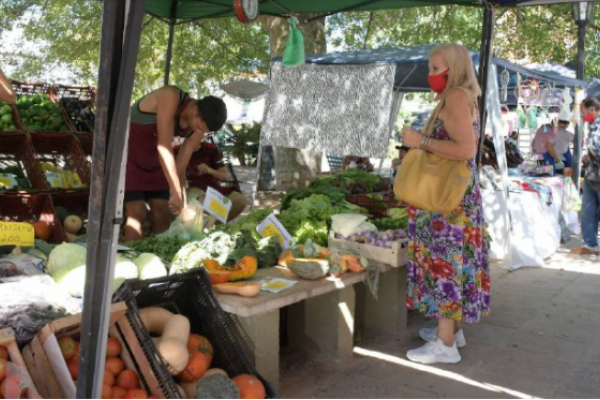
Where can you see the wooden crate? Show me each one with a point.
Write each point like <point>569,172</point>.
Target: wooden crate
<point>396,256</point>
<point>120,329</point>
<point>7,340</point>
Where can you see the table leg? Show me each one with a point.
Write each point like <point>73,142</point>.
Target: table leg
<point>324,324</point>
<point>263,330</point>
<point>384,318</point>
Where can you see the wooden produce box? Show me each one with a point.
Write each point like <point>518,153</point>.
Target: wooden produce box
<point>7,340</point>
<point>44,351</point>
<point>396,256</point>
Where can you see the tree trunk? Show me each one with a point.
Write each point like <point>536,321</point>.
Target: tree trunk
<point>284,168</point>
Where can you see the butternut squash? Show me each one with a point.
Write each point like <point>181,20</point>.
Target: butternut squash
<point>173,344</point>
<point>242,289</point>
<point>155,319</point>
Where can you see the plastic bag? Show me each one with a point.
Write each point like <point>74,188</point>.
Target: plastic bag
<point>571,200</point>
<point>294,48</point>
<point>18,384</point>
<point>348,224</point>
<point>27,304</point>
<point>187,226</point>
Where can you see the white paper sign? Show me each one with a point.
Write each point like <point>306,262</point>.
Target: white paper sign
<point>272,227</point>
<point>217,205</point>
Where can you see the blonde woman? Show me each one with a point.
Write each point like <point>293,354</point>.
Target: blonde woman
<point>448,268</point>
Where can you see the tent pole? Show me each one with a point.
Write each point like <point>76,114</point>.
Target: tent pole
<point>122,23</point>
<point>172,23</point>
<point>577,147</point>
<point>485,62</point>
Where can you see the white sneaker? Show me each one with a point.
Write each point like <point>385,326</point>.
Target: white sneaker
<point>429,335</point>
<point>435,352</point>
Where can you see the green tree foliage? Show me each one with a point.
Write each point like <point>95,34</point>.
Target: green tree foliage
<point>531,34</point>
<point>68,33</point>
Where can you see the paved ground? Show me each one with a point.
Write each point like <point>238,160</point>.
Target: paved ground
<point>541,341</point>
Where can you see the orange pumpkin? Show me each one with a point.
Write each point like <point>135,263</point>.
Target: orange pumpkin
<point>41,230</point>
<point>197,365</point>
<point>244,268</point>
<point>212,265</point>
<point>199,343</point>
<point>250,387</point>
<point>217,277</point>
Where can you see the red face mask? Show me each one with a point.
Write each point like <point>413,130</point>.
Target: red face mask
<point>438,82</point>
<point>589,118</point>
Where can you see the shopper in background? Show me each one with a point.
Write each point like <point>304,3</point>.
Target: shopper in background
<point>590,212</point>
<point>362,163</point>
<point>559,148</point>
<point>7,93</point>
<point>448,267</point>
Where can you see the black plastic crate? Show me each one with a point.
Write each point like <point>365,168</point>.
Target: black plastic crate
<point>191,295</point>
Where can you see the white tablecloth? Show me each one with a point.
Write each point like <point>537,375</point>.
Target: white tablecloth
<point>536,229</point>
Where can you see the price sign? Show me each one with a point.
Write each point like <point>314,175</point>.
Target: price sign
<point>217,205</point>
<point>271,226</point>
<point>16,234</point>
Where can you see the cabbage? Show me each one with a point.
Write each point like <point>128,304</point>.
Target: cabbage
<point>124,269</point>
<point>150,266</point>
<point>66,265</point>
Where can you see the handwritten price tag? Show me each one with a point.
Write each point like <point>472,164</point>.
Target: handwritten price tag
<point>217,205</point>
<point>271,226</point>
<point>16,234</point>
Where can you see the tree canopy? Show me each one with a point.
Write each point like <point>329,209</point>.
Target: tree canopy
<point>66,34</point>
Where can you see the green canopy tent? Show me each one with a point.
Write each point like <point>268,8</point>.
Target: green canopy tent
<point>122,25</point>
<point>177,12</point>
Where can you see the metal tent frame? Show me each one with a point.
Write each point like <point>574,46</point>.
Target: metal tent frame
<point>122,25</point>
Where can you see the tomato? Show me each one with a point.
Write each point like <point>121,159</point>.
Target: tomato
<point>114,365</point>
<point>109,378</point>
<point>136,394</point>
<point>3,368</point>
<point>11,388</point>
<point>107,391</point>
<point>68,347</point>
<point>77,348</point>
<point>3,353</point>
<point>128,379</point>
<point>197,365</point>
<point>73,366</point>
<point>113,347</point>
<point>118,392</point>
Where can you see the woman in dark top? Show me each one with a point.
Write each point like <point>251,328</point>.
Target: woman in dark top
<point>151,175</point>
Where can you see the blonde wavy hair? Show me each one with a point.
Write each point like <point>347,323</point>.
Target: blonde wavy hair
<point>461,75</point>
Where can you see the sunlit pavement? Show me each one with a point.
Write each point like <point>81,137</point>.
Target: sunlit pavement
<point>541,341</point>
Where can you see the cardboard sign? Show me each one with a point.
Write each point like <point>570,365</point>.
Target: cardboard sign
<point>271,226</point>
<point>217,205</point>
<point>16,234</point>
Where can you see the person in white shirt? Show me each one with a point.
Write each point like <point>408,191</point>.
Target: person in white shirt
<point>559,149</point>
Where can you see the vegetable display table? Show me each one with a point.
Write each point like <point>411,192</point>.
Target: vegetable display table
<point>321,314</point>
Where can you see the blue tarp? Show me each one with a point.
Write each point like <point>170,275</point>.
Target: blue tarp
<point>412,66</point>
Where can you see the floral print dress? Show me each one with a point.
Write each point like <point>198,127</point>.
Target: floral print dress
<point>448,267</point>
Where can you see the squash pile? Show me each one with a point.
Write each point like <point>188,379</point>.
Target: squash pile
<point>189,357</point>
<point>118,382</point>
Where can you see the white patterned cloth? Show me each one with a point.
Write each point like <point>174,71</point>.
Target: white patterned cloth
<point>344,109</point>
